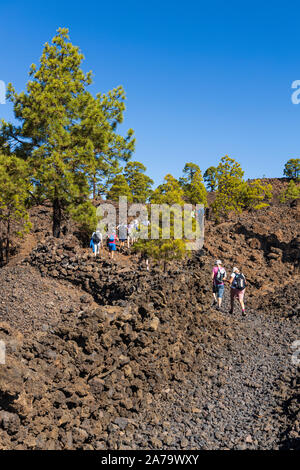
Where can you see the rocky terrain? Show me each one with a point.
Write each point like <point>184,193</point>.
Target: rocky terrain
<point>106,355</point>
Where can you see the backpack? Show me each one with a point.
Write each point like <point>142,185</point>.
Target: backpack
<point>111,239</point>
<point>240,281</point>
<point>220,275</point>
<point>96,239</point>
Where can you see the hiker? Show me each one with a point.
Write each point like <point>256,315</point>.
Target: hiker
<point>144,259</point>
<point>238,283</point>
<point>122,230</point>
<point>131,230</point>
<point>112,239</point>
<point>96,242</point>
<point>135,231</point>
<point>218,277</point>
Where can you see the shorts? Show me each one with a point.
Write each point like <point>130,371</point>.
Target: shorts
<point>237,293</point>
<point>219,290</point>
<point>112,247</point>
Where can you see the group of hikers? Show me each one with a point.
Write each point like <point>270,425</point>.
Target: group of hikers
<point>129,234</point>
<point>123,233</point>
<point>97,244</point>
<point>237,284</point>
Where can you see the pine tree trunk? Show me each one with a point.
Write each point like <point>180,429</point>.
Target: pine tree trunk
<point>57,215</point>
<point>7,251</point>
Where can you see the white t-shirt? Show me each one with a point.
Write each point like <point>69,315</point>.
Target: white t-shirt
<point>99,235</point>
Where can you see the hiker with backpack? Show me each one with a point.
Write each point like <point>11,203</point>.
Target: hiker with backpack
<point>122,229</point>
<point>238,284</point>
<point>218,277</point>
<point>96,242</point>
<point>131,232</point>
<point>112,239</point>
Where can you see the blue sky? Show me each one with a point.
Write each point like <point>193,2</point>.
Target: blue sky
<point>203,79</point>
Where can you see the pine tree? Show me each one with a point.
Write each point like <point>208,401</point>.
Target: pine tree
<point>170,192</point>
<point>162,251</point>
<point>139,183</point>
<point>292,192</point>
<point>14,195</point>
<point>210,178</point>
<point>170,245</point>
<point>197,192</point>
<point>229,183</point>
<point>192,183</point>
<point>255,195</point>
<point>292,169</point>
<point>67,136</point>
<point>119,187</point>
<point>189,171</point>
<point>103,116</point>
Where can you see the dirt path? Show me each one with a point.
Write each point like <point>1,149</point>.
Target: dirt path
<point>26,246</point>
<point>195,378</point>
<point>237,405</point>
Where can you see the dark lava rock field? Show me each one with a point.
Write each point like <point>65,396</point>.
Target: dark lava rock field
<point>106,355</point>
